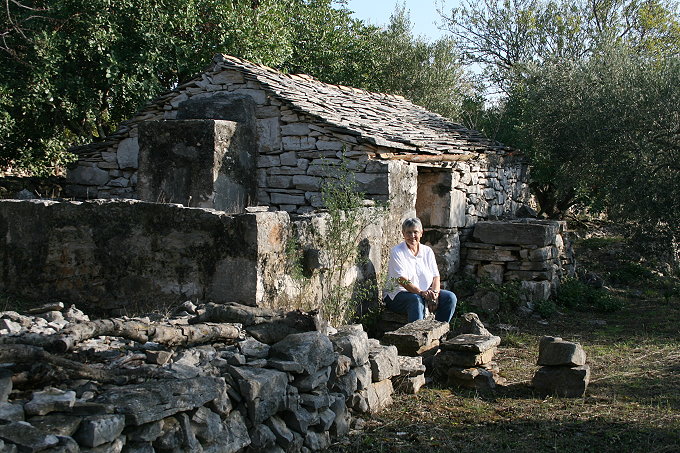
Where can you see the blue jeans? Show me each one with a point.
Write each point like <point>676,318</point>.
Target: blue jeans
<point>414,305</point>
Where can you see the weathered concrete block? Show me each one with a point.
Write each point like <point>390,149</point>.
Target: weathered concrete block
<point>417,337</point>
<point>554,351</point>
<point>539,233</point>
<point>565,381</point>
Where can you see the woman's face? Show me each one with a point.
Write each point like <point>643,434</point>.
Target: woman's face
<point>412,235</point>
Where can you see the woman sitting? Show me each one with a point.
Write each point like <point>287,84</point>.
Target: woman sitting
<point>413,267</point>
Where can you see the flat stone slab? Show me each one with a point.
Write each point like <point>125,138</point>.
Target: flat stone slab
<point>416,337</point>
<point>153,401</point>
<point>446,359</point>
<point>27,437</point>
<point>553,351</point>
<point>411,366</point>
<point>476,344</point>
<point>539,233</point>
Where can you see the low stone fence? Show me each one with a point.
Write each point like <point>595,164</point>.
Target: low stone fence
<point>207,387</point>
<point>536,252</point>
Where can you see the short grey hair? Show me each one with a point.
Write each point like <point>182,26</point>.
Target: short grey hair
<point>410,223</point>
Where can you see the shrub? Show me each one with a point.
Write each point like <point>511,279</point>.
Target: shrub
<point>575,294</point>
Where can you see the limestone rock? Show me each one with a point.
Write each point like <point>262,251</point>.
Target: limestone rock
<point>471,343</point>
<point>97,430</point>
<point>5,384</point>
<point>50,400</point>
<point>472,324</point>
<point>352,342</point>
<point>312,350</point>
<point>555,351</point>
<point>416,337</point>
<point>57,424</point>
<point>384,361</point>
<point>153,401</point>
<point>27,437</point>
<point>447,359</point>
<point>254,349</point>
<point>11,412</point>
<point>377,397</point>
<point>263,390</point>
<point>566,381</point>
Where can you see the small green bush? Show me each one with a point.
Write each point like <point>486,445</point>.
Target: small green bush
<point>631,273</point>
<point>577,295</point>
<point>545,308</point>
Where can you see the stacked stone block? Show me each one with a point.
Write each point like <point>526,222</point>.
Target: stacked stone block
<point>535,252</point>
<point>293,395</point>
<point>563,369</point>
<point>418,337</point>
<point>467,361</point>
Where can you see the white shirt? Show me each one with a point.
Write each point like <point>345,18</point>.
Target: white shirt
<point>419,269</point>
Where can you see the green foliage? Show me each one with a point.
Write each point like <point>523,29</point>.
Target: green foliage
<point>590,94</point>
<point>631,273</point>
<point>575,294</point>
<point>545,308</point>
<point>348,219</point>
<point>72,70</point>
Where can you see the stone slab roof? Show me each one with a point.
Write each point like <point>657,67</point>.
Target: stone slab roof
<point>380,119</point>
<point>384,120</point>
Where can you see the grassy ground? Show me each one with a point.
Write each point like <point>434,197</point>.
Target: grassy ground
<point>632,403</point>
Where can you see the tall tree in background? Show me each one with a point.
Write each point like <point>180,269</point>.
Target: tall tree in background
<point>589,91</point>
<point>72,70</point>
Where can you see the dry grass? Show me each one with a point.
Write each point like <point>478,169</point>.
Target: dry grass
<point>632,403</point>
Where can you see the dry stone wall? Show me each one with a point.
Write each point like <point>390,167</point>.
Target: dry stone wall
<point>537,253</point>
<point>296,394</point>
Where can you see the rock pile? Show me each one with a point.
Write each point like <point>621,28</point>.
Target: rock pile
<point>467,361</point>
<point>563,369</point>
<point>114,393</point>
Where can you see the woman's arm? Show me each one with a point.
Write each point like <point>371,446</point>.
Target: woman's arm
<point>410,287</point>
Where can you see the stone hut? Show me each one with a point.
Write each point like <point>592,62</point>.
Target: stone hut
<point>242,134</point>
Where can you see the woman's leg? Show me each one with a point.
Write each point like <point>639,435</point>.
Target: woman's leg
<point>409,303</point>
<point>447,306</point>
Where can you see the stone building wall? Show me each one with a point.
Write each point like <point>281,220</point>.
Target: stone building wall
<point>294,152</point>
<point>126,256</point>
